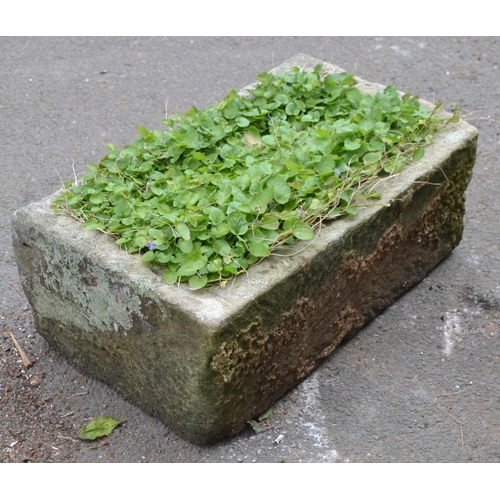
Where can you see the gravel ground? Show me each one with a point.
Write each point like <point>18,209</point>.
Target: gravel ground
<point>420,383</point>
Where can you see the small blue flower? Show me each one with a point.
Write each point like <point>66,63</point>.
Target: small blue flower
<point>150,245</point>
<point>338,171</point>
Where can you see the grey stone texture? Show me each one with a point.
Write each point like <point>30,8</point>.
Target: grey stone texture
<point>207,361</point>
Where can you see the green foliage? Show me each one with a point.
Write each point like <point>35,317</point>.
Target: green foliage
<point>223,187</point>
<point>99,427</point>
<point>260,425</point>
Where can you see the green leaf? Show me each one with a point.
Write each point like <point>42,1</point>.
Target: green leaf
<point>270,140</point>
<point>221,229</point>
<point>162,258</point>
<point>185,246</point>
<point>99,427</point>
<point>140,241</point>
<point>122,208</point>
<point>282,98</point>
<point>216,215</point>
<point>98,198</point>
<point>196,282</point>
<point>242,122</point>
<point>370,158</point>
<point>157,234</point>
<point>266,168</point>
<point>143,131</point>
<point>170,277</point>
<point>269,222</point>
<point>352,144</point>
<point>259,249</point>
<point>266,414</point>
<point>92,224</point>
<point>146,166</point>
<point>282,192</point>
<point>292,109</point>
<point>354,95</point>
<point>256,426</point>
<point>183,231</point>
<point>418,154</point>
<point>238,223</point>
<point>148,256</point>
<point>191,262</point>
<point>222,247</point>
<point>231,111</point>
<point>324,145</point>
<point>302,231</point>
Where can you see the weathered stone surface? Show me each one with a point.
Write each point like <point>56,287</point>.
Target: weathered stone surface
<point>207,361</point>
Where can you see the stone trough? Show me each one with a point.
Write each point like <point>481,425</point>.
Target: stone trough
<point>207,361</point>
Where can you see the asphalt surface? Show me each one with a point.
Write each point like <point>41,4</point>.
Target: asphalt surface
<point>420,383</point>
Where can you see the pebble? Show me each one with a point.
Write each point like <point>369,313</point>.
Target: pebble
<point>35,381</point>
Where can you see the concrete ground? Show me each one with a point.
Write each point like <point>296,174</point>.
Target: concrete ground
<point>420,383</point>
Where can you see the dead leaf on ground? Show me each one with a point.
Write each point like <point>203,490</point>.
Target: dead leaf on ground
<point>99,427</point>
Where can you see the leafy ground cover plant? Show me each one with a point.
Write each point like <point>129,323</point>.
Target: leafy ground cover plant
<point>223,187</point>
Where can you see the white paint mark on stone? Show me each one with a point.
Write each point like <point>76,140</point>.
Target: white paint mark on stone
<point>309,391</point>
<point>451,331</point>
<point>474,259</point>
